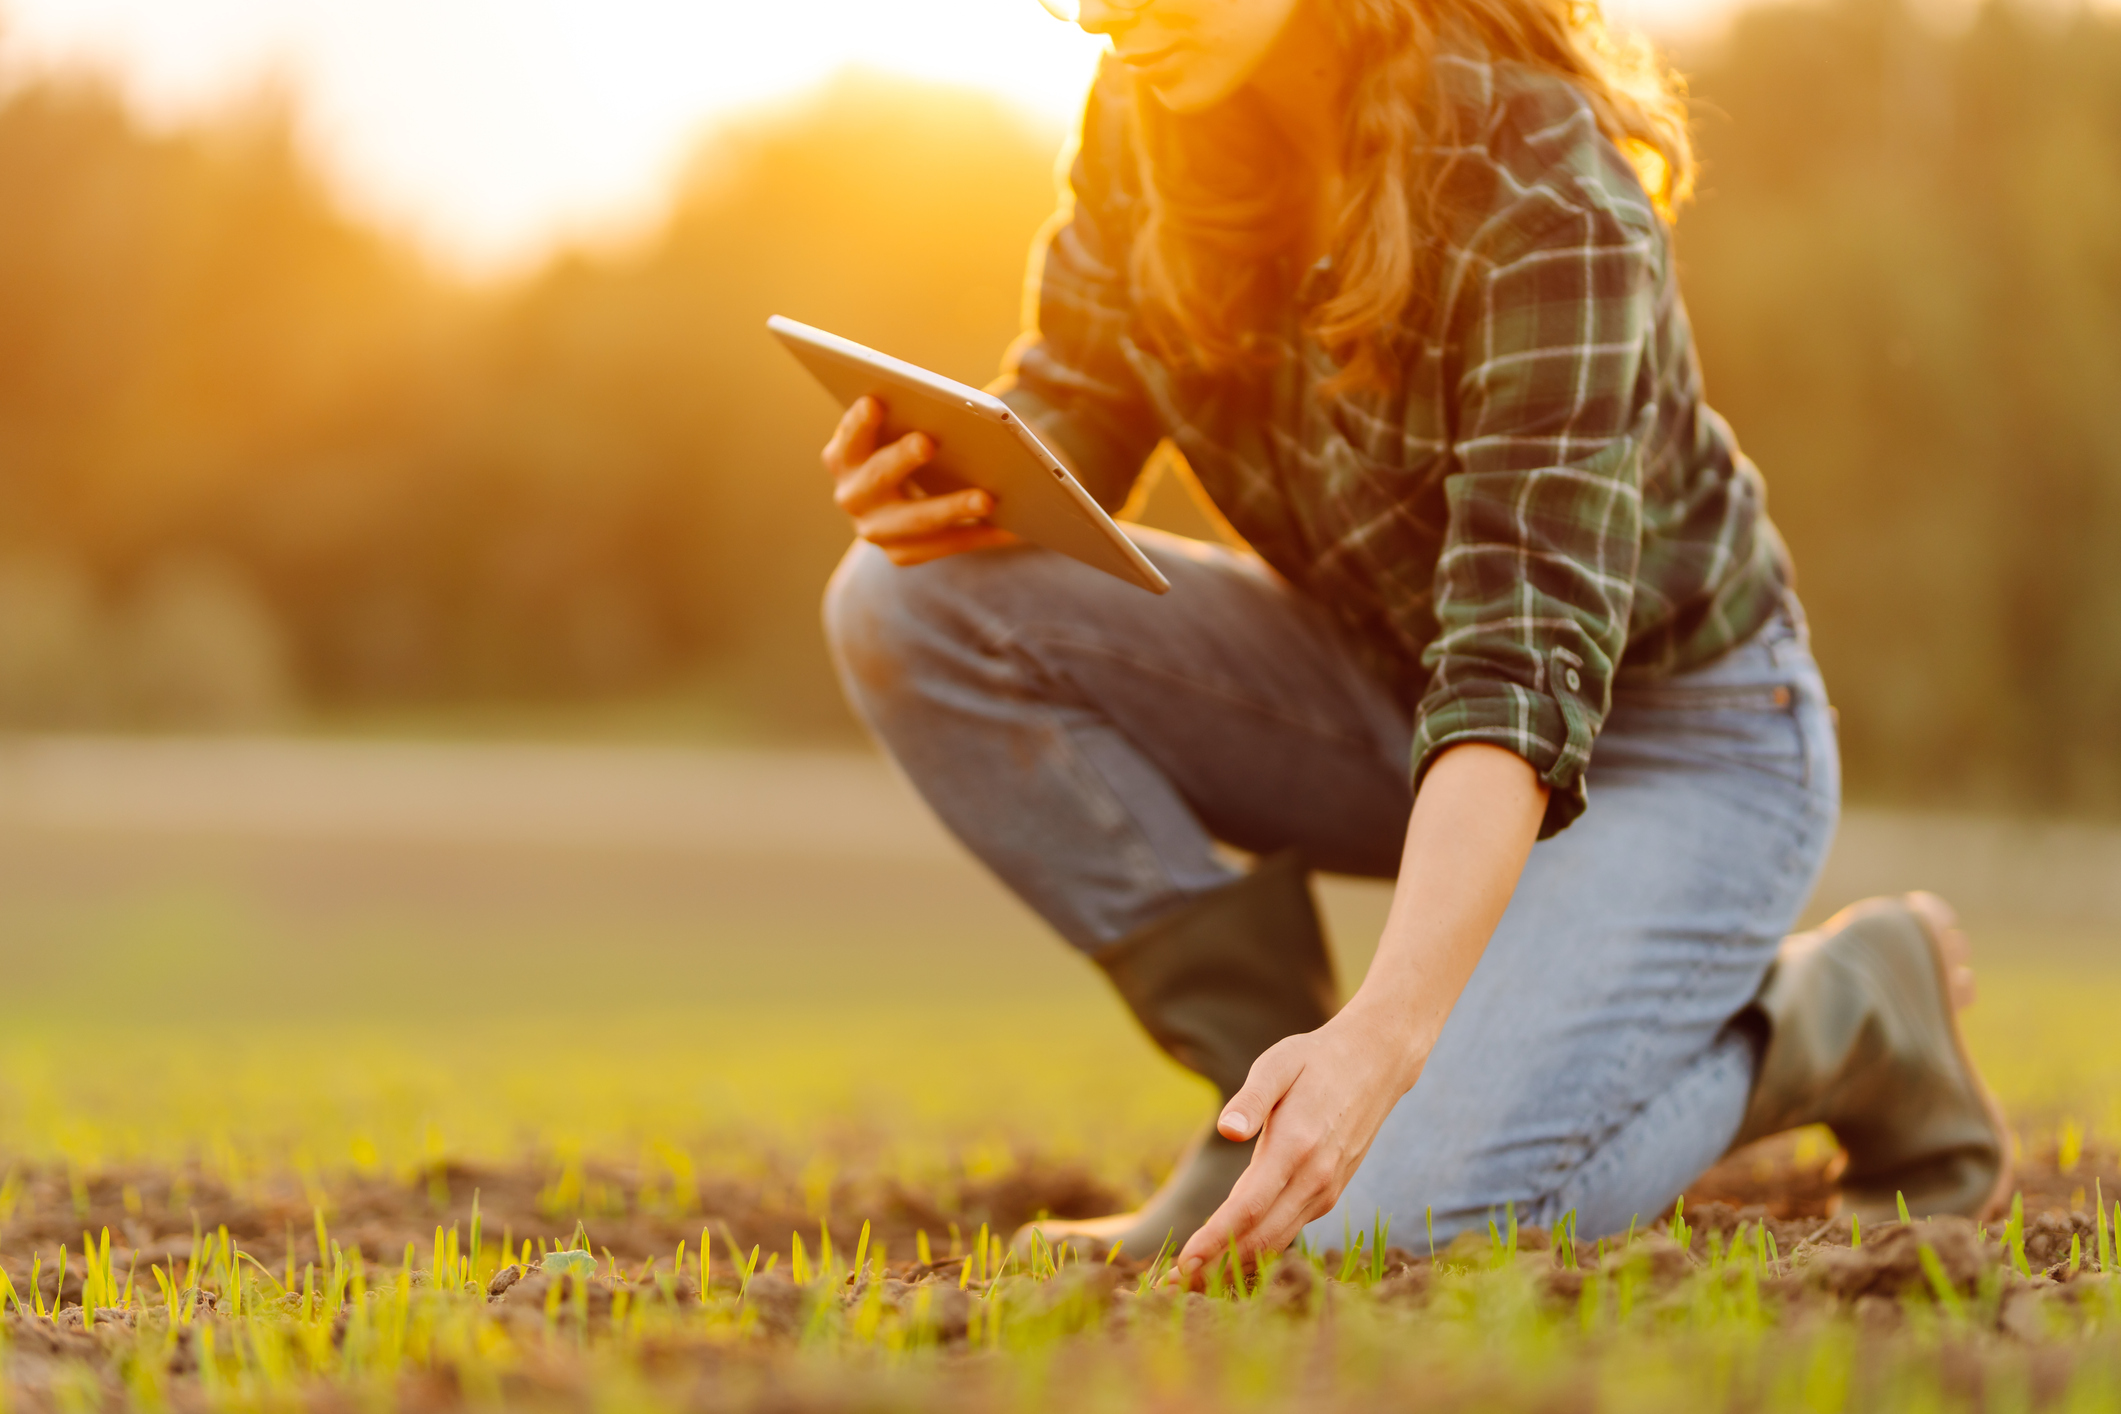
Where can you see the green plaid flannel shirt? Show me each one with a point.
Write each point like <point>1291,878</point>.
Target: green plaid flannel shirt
<point>1542,507</point>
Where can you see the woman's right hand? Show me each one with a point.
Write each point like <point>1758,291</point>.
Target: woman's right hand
<point>869,483</point>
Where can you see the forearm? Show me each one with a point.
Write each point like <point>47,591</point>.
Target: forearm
<point>1472,828</point>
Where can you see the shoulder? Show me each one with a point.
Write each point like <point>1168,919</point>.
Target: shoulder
<point>1528,168</point>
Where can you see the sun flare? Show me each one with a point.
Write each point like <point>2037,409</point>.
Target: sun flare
<point>491,127</point>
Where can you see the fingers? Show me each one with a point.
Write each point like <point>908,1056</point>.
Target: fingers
<point>869,484</point>
<point>1293,1177</point>
<point>891,521</point>
<point>854,440</point>
<point>1269,1079</point>
<point>950,542</point>
<point>882,476</point>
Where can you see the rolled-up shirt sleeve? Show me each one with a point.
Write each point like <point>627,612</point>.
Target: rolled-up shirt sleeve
<point>1069,376</point>
<point>1536,580</point>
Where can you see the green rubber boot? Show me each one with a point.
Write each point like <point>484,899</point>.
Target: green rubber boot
<point>1214,985</point>
<point>1860,1034</point>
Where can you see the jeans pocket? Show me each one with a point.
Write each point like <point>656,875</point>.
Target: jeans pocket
<point>1754,725</point>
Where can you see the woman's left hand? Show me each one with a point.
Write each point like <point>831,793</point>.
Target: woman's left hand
<point>1316,1101</point>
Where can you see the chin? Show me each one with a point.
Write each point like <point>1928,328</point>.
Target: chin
<point>1192,95</point>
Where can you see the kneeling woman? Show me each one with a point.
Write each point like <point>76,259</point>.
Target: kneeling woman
<point>1395,276</point>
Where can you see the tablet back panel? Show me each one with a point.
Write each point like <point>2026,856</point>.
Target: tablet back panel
<point>978,442</point>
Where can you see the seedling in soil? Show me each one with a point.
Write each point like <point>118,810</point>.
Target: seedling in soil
<point>1156,1266</point>
<point>1940,1284</point>
<point>2105,1239</point>
<point>2014,1235</point>
<point>1351,1256</point>
<point>2069,1146</point>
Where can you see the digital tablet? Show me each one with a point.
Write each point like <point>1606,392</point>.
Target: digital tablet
<point>978,442</point>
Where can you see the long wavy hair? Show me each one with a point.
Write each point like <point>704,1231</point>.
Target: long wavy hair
<point>1226,202</point>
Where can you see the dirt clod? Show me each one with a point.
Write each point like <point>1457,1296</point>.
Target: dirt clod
<point>1889,1263</point>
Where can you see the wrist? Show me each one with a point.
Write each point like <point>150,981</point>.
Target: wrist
<point>1395,1028</point>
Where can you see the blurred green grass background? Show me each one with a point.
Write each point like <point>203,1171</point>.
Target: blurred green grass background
<point>502,970</point>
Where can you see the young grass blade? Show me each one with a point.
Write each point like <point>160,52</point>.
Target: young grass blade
<point>1112,1254</point>
<point>2105,1250</point>
<point>1156,1264</point>
<point>1900,1203</point>
<point>1940,1284</point>
<point>921,1250</point>
<point>1855,1231</point>
<point>2014,1235</point>
<point>1351,1259</point>
<point>1428,1217</point>
<point>861,1250</point>
<point>90,1296</point>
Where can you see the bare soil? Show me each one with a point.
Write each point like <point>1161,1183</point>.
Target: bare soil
<point>1781,1188</point>
<point>154,1212</point>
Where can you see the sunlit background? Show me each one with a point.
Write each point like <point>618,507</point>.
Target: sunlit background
<point>492,127</point>
<point>489,128</point>
<point>410,546</point>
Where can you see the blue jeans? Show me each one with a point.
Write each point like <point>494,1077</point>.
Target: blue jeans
<point>1090,744</point>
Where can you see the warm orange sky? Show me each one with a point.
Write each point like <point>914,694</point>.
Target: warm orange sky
<point>492,127</point>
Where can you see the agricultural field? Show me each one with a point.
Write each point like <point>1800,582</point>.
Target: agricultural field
<point>446,1108</point>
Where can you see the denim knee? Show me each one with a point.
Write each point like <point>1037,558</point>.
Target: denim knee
<point>881,619</point>
<point>863,616</point>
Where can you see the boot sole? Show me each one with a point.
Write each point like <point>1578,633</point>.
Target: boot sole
<point>1941,971</point>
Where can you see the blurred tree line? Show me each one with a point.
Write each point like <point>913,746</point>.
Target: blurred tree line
<point>256,458</point>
